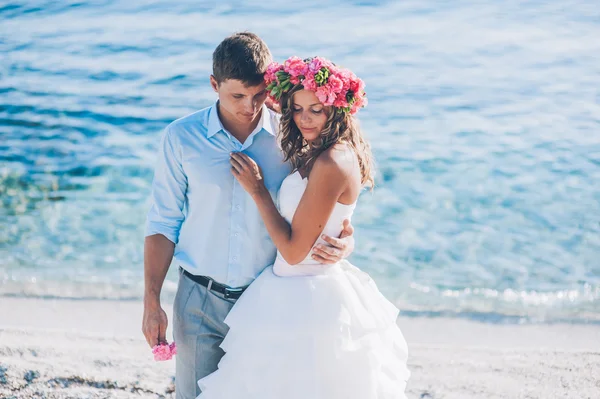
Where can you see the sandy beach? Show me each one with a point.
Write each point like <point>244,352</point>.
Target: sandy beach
<point>483,121</point>
<point>53,348</point>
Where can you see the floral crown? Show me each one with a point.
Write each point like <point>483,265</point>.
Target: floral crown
<point>333,86</point>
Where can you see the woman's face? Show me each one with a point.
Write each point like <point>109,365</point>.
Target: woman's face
<point>309,114</point>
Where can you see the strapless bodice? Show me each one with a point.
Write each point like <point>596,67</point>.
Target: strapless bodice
<point>290,194</point>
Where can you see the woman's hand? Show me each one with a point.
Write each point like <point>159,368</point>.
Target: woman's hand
<point>273,105</point>
<point>247,172</point>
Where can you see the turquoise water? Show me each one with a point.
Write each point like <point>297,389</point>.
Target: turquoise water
<point>484,118</point>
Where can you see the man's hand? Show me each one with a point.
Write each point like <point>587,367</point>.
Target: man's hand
<point>154,324</point>
<point>338,248</point>
<point>158,253</point>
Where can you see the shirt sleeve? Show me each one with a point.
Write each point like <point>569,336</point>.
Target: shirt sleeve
<point>169,188</point>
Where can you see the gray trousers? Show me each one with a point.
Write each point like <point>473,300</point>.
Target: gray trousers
<point>198,330</point>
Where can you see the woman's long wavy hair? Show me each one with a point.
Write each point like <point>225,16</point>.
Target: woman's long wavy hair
<point>341,127</point>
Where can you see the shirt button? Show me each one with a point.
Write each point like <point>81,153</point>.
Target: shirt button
<point>237,207</point>
<point>235,234</point>
<point>235,258</point>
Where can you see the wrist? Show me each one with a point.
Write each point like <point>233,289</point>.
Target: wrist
<point>151,300</point>
<point>260,192</point>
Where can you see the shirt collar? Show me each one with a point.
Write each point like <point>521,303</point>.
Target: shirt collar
<point>266,121</point>
<point>214,124</point>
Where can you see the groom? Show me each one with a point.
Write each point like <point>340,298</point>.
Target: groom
<point>202,216</point>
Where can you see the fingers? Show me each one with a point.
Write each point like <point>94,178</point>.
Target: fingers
<point>162,333</point>
<point>335,242</point>
<point>274,106</point>
<point>347,230</point>
<point>328,253</point>
<point>154,327</point>
<point>240,163</point>
<point>151,334</point>
<point>322,260</point>
<point>236,165</point>
<point>348,227</point>
<point>241,158</point>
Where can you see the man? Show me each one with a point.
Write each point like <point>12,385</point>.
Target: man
<point>203,217</point>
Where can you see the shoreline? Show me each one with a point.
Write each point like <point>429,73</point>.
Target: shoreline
<point>60,348</point>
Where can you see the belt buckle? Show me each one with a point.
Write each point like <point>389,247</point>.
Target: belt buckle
<point>229,292</point>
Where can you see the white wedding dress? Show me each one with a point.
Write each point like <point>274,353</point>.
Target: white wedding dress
<point>311,331</point>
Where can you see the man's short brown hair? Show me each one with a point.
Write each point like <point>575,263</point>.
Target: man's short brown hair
<point>242,56</point>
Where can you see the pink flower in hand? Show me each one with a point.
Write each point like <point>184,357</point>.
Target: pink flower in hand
<point>164,351</point>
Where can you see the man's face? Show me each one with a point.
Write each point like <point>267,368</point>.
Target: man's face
<point>237,102</point>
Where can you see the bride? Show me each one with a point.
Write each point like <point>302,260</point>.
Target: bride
<point>304,330</point>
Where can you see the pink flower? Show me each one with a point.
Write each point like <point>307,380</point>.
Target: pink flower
<point>359,103</point>
<point>340,101</point>
<point>309,82</point>
<point>335,83</point>
<point>295,66</point>
<point>274,67</point>
<point>322,94</point>
<point>327,64</point>
<point>331,98</point>
<point>357,86</point>
<point>315,65</point>
<point>164,351</point>
<point>271,70</point>
<point>325,95</point>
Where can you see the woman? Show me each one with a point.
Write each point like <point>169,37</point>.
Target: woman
<point>302,329</point>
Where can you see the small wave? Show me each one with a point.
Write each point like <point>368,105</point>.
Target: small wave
<point>81,291</point>
<point>500,318</point>
<point>503,306</point>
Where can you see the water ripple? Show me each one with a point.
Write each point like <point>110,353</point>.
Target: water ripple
<point>483,119</point>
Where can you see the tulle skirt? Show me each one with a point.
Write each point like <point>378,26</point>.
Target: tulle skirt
<point>330,336</point>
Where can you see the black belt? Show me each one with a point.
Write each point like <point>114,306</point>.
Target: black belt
<point>228,292</point>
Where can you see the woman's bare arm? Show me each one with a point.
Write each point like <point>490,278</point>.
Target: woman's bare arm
<point>328,181</point>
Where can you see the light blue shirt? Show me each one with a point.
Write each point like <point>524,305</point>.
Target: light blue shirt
<point>199,205</point>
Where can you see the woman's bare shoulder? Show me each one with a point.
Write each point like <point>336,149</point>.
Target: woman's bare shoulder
<point>339,159</point>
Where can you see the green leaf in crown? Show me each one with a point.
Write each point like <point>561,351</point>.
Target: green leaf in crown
<point>350,97</point>
<point>286,86</point>
<point>276,92</point>
<point>322,76</point>
<point>282,75</point>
